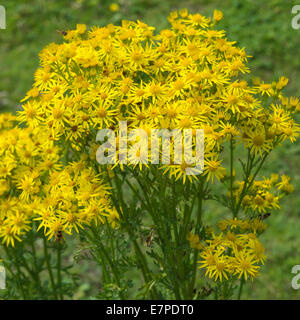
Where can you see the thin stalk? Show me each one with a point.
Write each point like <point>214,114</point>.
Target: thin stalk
<point>110,262</point>
<point>58,270</point>
<point>247,186</point>
<point>16,276</point>
<point>48,264</point>
<point>241,288</point>
<point>231,172</point>
<point>32,274</point>
<point>198,223</point>
<point>36,273</point>
<point>140,256</point>
<point>98,255</point>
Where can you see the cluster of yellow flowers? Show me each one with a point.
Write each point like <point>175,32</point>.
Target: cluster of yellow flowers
<point>185,77</point>
<point>236,251</point>
<point>35,186</point>
<point>264,194</point>
<point>182,78</point>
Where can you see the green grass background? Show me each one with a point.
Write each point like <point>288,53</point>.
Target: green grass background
<point>262,27</point>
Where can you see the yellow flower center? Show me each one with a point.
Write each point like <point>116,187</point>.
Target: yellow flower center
<point>258,140</point>
<point>102,113</point>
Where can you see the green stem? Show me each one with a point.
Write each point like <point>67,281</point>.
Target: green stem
<point>97,255</point>
<point>198,224</point>
<point>125,215</point>
<point>17,274</point>
<point>240,288</point>
<point>231,173</point>
<point>109,260</point>
<point>247,186</point>
<point>48,264</point>
<point>36,274</point>
<point>58,269</point>
<point>173,258</point>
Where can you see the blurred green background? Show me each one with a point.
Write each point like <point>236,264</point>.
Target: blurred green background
<point>262,27</point>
